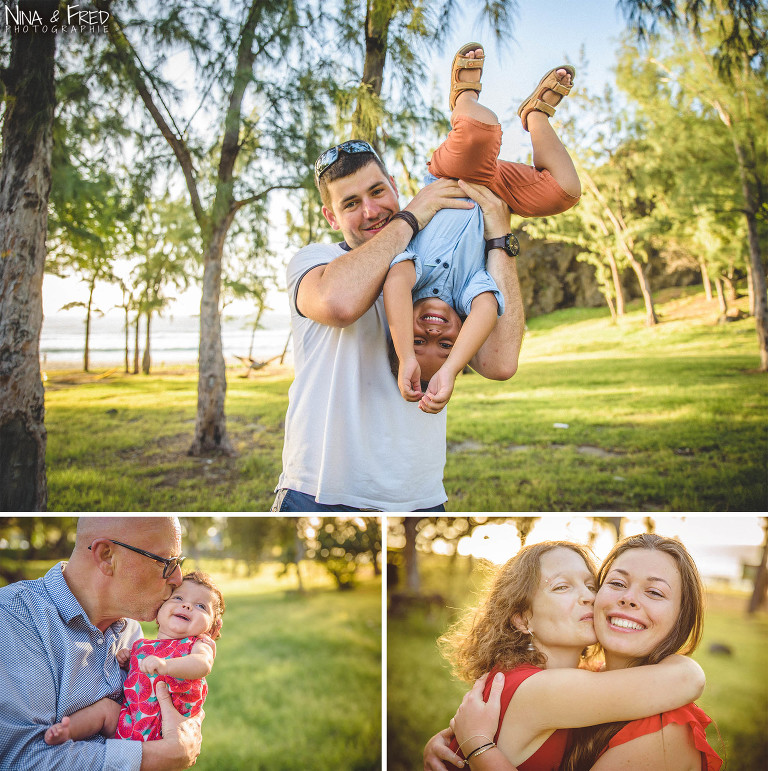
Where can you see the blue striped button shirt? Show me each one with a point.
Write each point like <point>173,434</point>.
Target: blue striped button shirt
<point>53,662</point>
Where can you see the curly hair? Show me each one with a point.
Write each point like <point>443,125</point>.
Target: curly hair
<point>486,636</point>
<point>684,637</point>
<point>203,579</point>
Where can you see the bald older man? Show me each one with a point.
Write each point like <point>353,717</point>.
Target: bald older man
<point>60,634</point>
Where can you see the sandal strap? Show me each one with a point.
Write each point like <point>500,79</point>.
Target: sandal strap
<point>462,63</point>
<point>548,82</point>
<point>540,106</point>
<point>458,88</point>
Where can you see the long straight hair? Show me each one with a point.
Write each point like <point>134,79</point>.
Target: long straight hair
<point>587,743</point>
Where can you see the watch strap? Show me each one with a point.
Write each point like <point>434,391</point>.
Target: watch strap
<point>508,243</point>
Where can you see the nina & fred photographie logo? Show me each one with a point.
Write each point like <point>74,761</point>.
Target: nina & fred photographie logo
<point>42,16</point>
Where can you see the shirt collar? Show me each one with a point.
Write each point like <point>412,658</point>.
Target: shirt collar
<point>66,602</point>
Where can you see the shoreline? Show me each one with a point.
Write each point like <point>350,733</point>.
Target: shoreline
<point>73,371</point>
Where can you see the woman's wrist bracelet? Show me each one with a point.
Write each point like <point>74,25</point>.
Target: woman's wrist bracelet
<point>480,751</point>
<point>409,217</point>
<point>476,736</point>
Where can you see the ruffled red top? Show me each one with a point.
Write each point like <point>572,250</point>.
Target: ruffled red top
<point>550,755</point>
<point>690,715</point>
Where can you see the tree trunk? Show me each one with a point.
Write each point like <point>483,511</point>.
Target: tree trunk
<point>127,326</point>
<point>750,291</point>
<point>721,303</point>
<point>651,319</point>
<point>255,327</point>
<point>378,17</point>
<point>136,344</point>
<point>761,579</point>
<point>211,425</point>
<point>285,347</point>
<point>618,289</point>
<point>758,290</point>
<point>87,349</point>
<point>300,552</point>
<point>752,205</point>
<point>616,524</point>
<point>412,581</point>
<point>25,185</point>
<point>145,361</point>
<point>705,279</point>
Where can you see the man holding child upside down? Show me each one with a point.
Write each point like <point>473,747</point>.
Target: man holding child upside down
<point>351,441</point>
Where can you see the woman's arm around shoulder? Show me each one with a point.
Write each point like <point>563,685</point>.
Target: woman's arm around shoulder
<point>572,698</point>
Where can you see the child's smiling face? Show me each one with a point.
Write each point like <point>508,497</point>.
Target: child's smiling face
<point>188,612</point>
<point>436,325</point>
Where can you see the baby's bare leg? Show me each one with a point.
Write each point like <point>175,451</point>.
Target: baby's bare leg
<point>99,718</point>
<point>548,151</point>
<point>467,103</point>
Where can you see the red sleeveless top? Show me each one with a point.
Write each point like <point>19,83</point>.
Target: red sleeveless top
<point>690,715</point>
<point>550,755</point>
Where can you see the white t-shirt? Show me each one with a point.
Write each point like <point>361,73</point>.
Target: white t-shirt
<point>350,437</point>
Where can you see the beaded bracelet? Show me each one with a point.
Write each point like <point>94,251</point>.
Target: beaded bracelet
<point>480,750</point>
<point>409,217</point>
<point>476,736</point>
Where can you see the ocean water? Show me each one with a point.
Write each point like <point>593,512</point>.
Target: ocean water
<point>174,340</point>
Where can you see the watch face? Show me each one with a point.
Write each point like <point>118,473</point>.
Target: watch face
<point>513,245</point>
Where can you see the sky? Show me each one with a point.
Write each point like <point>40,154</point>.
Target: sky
<point>547,33</point>
<point>717,542</point>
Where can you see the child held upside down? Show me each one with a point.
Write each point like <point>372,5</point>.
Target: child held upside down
<point>440,301</point>
<point>177,657</point>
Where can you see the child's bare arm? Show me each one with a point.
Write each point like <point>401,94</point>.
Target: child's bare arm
<point>399,307</point>
<point>98,718</point>
<point>196,664</point>
<point>474,332</point>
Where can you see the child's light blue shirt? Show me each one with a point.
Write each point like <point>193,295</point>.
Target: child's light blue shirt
<point>449,257</point>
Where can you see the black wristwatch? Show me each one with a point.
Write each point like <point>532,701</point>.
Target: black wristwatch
<point>508,243</point>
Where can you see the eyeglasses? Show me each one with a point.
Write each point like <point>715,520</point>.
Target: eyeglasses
<point>330,156</point>
<point>171,563</point>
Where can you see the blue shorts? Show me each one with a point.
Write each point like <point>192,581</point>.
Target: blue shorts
<point>290,500</point>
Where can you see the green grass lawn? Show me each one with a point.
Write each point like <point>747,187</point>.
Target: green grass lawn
<point>297,679</point>
<point>670,418</point>
<point>296,683</point>
<point>422,696</point>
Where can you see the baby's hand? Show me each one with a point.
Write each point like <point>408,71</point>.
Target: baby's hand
<point>123,657</point>
<point>58,733</point>
<point>152,665</point>
<point>438,392</point>
<point>409,380</point>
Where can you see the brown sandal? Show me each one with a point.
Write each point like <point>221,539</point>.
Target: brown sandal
<point>548,83</point>
<point>460,62</point>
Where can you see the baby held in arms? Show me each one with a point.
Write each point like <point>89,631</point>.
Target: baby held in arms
<point>177,657</point>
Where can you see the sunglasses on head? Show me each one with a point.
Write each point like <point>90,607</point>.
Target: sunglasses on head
<point>330,156</point>
<point>170,563</point>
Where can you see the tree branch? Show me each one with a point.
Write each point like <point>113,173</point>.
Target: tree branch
<point>237,205</point>
<point>230,147</point>
<point>129,57</point>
